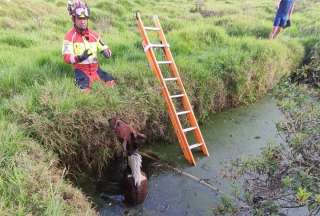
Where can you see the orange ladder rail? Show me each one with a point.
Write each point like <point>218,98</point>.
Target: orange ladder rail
<point>173,114</point>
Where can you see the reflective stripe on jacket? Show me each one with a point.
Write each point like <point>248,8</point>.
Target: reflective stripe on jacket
<point>75,44</point>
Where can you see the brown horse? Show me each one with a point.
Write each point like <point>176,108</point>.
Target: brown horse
<point>135,182</point>
<point>128,136</point>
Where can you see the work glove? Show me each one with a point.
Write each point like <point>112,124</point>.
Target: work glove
<point>85,55</point>
<point>107,53</point>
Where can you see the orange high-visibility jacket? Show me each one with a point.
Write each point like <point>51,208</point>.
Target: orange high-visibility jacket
<point>75,44</point>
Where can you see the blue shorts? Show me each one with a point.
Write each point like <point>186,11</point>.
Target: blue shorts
<point>283,13</point>
<point>280,21</point>
<point>84,81</point>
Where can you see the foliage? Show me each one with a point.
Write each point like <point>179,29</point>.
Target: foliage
<point>224,61</point>
<point>286,176</point>
<point>310,72</point>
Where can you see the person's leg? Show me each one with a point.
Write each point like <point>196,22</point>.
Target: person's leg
<point>282,24</point>
<point>275,29</point>
<point>106,78</point>
<point>278,30</point>
<point>273,32</point>
<point>82,81</point>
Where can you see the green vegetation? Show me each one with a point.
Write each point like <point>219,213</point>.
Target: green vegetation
<point>221,49</point>
<point>30,181</point>
<point>286,176</point>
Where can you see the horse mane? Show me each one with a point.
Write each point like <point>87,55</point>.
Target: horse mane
<point>134,162</point>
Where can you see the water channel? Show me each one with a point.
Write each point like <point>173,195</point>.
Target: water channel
<point>238,132</point>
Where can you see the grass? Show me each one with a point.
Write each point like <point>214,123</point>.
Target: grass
<point>222,52</point>
<point>30,181</point>
<point>286,176</point>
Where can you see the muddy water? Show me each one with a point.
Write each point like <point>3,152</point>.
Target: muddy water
<point>231,134</point>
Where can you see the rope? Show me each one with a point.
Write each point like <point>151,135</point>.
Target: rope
<point>195,178</point>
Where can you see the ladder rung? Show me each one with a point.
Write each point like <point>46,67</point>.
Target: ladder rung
<point>177,96</point>
<point>170,79</point>
<point>162,45</point>
<point>164,62</point>
<point>152,28</point>
<point>195,145</point>
<point>189,129</point>
<point>183,112</point>
<point>155,46</point>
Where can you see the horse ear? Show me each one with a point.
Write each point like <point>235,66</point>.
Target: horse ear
<point>123,121</point>
<point>112,122</point>
<point>141,136</point>
<point>133,134</point>
<point>117,124</point>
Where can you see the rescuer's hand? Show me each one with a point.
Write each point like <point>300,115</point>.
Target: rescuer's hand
<point>85,55</point>
<point>107,53</point>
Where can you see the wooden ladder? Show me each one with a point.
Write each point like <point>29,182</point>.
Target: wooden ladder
<point>181,97</point>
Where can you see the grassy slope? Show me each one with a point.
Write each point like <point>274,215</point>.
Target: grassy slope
<point>224,61</point>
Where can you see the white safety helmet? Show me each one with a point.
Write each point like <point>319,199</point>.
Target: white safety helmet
<point>78,9</point>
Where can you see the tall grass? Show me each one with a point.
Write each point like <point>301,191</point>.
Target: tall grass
<point>222,52</point>
<point>30,183</point>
